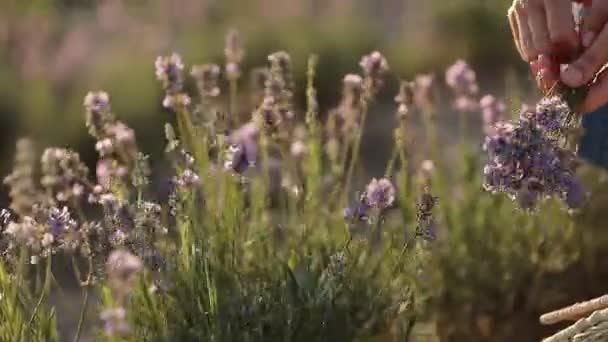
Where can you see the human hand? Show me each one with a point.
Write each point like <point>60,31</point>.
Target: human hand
<point>594,42</point>
<point>544,27</point>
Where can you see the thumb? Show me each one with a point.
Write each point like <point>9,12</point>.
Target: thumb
<point>597,95</point>
<point>584,69</point>
<point>594,20</point>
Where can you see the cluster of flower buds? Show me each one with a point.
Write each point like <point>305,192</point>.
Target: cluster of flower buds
<point>463,81</point>
<point>170,72</point>
<point>374,66</point>
<point>371,205</point>
<point>64,175</point>
<point>527,162</point>
<point>242,153</point>
<point>207,80</point>
<point>115,144</point>
<point>23,191</point>
<point>426,225</point>
<point>47,229</point>
<point>277,104</point>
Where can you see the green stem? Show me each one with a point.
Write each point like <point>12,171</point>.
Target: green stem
<point>83,311</point>
<point>45,290</point>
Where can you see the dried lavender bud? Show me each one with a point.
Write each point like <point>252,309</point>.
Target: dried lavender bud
<point>380,193</point>
<point>115,322</point>
<point>98,112</point>
<point>426,226</point>
<point>22,189</point>
<point>207,77</point>
<point>492,110</point>
<point>462,79</point>
<point>62,170</point>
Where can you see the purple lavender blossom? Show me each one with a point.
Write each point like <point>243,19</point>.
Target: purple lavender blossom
<point>380,193</point>
<point>529,165</point>
<point>374,66</point>
<point>243,150</point>
<point>548,115</point>
<point>169,71</point>
<point>462,79</point>
<point>60,221</point>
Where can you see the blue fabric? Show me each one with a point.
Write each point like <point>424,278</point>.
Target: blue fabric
<point>594,143</point>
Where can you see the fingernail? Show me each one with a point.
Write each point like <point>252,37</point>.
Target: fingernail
<point>572,76</point>
<point>588,38</point>
<point>534,67</point>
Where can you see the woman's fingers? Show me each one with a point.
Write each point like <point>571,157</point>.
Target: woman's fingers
<point>537,21</point>
<point>594,21</point>
<point>526,41</point>
<point>560,22</point>
<point>515,30</point>
<point>591,61</point>
<point>597,95</point>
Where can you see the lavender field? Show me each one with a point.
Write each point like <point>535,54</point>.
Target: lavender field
<point>297,171</point>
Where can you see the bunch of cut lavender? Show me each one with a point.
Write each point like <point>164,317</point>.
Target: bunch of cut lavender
<point>527,161</point>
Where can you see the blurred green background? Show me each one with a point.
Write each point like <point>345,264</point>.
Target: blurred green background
<point>53,51</point>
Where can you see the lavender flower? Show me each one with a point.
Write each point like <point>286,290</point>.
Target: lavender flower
<point>169,71</point>
<point>426,226</point>
<point>23,191</point>
<point>405,98</point>
<point>243,150</point>
<point>207,78</point>
<point>462,79</point>
<point>549,116</point>
<point>98,113</point>
<point>63,173</point>
<point>60,221</point>
<point>529,165</point>
<point>380,193</point>
<point>374,66</point>
<point>122,268</point>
